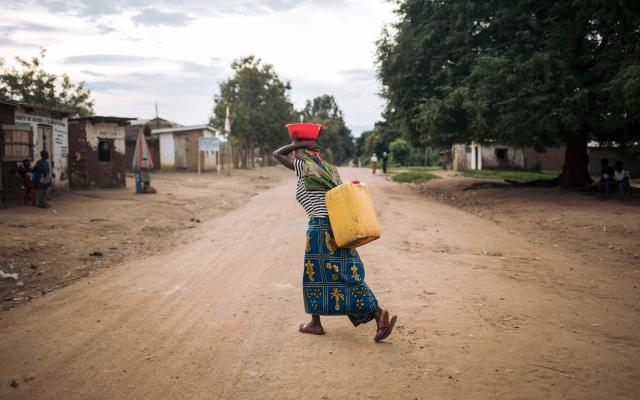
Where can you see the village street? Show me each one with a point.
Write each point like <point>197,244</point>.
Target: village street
<point>482,313</point>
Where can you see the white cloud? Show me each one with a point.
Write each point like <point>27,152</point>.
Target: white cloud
<point>134,52</point>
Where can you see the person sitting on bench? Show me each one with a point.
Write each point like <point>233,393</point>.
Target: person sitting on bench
<point>621,178</point>
<point>606,178</point>
<point>24,173</point>
<point>25,169</point>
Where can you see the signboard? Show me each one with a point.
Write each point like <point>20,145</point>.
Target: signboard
<point>208,144</point>
<point>60,135</point>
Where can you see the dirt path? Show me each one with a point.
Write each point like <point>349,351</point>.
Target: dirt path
<point>482,314</point>
<point>87,230</point>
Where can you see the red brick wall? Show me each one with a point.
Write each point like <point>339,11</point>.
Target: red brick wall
<point>86,170</point>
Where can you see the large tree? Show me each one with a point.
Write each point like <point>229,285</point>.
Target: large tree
<point>336,138</point>
<point>259,107</point>
<point>28,82</point>
<point>377,140</point>
<point>522,72</point>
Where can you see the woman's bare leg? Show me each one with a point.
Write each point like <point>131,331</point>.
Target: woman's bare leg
<point>315,326</point>
<point>384,324</point>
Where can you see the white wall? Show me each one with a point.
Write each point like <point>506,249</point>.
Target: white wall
<point>490,160</point>
<point>60,145</point>
<point>167,151</point>
<point>105,130</point>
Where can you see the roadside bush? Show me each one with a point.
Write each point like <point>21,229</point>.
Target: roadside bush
<point>400,151</point>
<point>414,176</point>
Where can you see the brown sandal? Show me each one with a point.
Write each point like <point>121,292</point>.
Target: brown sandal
<point>304,329</point>
<point>386,326</point>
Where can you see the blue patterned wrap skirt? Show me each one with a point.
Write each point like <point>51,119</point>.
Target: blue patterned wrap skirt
<point>333,280</point>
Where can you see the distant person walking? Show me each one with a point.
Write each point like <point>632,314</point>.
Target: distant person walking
<point>621,178</point>
<point>41,178</point>
<point>374,163</point>
<point>385,161</point>
<point>333,281</point>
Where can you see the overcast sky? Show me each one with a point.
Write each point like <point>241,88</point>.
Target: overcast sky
<point>134,52</point>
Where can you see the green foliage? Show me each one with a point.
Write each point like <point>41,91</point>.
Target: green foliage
<point>414,176</point>
<point>335,139</point>
<point>400,151</point>
<point>28,82</point>
<point>518,176</point>
<point>259,106</point>
<point>427,169</point>
<point>521,73</point>
<point>376,141</point>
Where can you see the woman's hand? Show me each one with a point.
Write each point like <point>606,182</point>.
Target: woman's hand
<point>309,144</point>
<point>282,154</point>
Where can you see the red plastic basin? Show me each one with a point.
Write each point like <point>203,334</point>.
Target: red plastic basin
<point>304,131</point>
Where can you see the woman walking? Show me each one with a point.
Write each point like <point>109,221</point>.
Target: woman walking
<point>333,277</point>
<point>374,163</point>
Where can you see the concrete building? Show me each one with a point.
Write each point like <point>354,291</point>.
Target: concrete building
<point>27,129</point>
<point>179,148</point>
<point>142,125</point>
<point>497,156</point>
<point>97,152</point>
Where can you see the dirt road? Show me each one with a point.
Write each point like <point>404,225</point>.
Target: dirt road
<point>482,314</point>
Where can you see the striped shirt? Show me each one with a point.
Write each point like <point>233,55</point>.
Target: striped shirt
<point>312,201</point>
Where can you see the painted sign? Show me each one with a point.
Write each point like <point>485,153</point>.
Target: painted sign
<point>208,144</point>
<point>59,142</point>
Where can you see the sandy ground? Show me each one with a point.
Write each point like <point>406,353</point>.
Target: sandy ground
<point>484,312</point>
<point>606,233</point>
<point>86,230</point>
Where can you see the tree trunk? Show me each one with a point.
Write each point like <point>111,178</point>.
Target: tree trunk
<point>252,157</point>
<point>237,156</point>
<point>243,158</point>
<point>575,172</point>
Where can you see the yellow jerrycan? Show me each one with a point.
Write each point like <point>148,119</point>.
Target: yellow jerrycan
<point>352,216</point>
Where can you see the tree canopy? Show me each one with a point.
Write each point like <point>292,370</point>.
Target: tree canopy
<point>522,72</point>
<point>259,105</point>
<point>29,82</point>
<point>336,139</point>
<point>377,140</point>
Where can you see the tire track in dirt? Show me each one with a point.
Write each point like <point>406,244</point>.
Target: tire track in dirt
<point>218,317</point>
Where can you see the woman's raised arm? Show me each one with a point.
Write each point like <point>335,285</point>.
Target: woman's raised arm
<point>282,154</point>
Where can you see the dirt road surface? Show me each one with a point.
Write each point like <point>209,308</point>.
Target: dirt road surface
<point>483,314</point>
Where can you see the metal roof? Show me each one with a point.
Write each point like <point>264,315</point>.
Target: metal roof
<point>184,129</point>
<point>38,106</point>
<point>149,121</point>
<point>98,118</point>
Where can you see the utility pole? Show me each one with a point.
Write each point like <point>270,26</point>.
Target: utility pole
<point>157,118</point>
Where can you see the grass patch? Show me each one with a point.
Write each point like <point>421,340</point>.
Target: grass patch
<point>518,176</point>
<point>432,168</point>
<point>414,176</point>
<point>396,169</point>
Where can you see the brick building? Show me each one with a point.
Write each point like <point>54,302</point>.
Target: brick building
<point>97,152</point>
